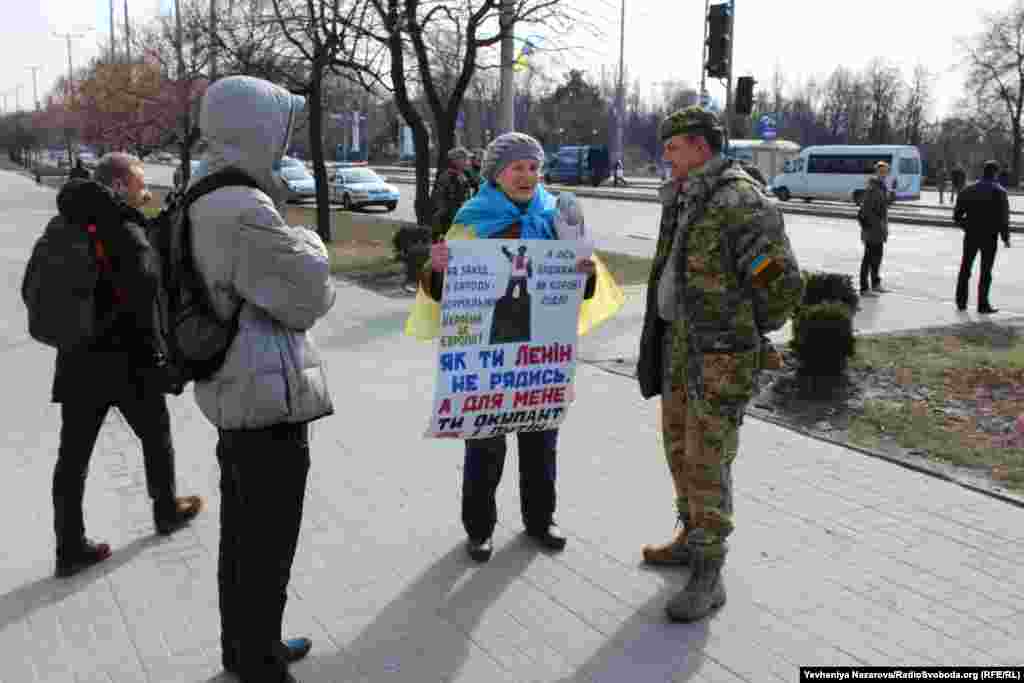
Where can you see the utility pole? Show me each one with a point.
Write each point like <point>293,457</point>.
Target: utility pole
<point>113,53</point>
<point>620,94</point>
<point>728,87</point>
<point>35,84</point>
<point>507,112</point>
<point>71,79</point>
<point>127,36</point>
<point>704,56</point>
<point>213,41</point>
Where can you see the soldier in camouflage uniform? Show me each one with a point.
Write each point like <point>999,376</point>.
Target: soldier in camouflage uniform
<point>723,275</point>
<point>451,191</point>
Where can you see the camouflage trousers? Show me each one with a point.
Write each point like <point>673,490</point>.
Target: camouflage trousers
<point>701,441</point>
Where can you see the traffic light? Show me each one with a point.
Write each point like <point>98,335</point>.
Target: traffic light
<point>719,37</point>
<point>744,95</point>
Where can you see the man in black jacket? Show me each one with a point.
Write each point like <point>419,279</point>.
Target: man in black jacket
<point>122,368</point>
<point>983,212</point>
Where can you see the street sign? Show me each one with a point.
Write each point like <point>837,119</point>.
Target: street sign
<point>767,128</point>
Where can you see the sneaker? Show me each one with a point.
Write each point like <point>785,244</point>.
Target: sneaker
<point>480,551</point>
<point>288,651</point>
<point>294,649</point>
<point>170,518</point>
<point>987,310</point>
<point>70,562</point>
<point>879,289</point>
<point>868,293</point>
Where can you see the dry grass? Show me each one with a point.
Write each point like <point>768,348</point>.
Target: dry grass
<point>969,376</point>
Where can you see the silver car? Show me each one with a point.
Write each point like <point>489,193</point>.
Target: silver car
<point>360,186</point>
<point>299,181</point>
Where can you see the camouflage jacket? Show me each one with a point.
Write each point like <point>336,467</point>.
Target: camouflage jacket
<point>451,191</point>
<point>736,278</point>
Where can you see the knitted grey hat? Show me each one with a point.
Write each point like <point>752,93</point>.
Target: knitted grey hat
<point>508,148</point>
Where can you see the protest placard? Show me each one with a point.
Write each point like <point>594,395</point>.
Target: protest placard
<point>508,337</point>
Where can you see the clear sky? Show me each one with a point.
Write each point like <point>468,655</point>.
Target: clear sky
<point>801,37</point>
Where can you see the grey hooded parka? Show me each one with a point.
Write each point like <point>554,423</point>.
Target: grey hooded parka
<point>249,257</point>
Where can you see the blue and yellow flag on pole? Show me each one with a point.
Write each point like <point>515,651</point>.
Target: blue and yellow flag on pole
<point>521,61</point>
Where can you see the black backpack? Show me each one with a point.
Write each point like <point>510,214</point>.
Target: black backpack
<point>197,338</point>
<point>59,287</point>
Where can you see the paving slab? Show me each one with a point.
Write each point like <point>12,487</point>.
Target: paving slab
<point>838,559</point>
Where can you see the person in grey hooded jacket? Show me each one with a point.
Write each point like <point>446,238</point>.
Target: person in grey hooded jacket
<point>273,382</point>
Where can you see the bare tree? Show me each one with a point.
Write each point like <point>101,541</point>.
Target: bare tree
<point>884,83</point>
<point>994,59</point>
<point>913,113</point>
<point>184,63</point>
<point>409,31</point>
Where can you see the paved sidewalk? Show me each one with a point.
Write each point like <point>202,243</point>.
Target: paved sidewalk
<point>838,559</point>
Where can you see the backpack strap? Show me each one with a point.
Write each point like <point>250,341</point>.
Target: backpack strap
<point>227,178</point>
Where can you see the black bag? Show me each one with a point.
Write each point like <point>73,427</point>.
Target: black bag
<point>197,338</point>
<point>59,287</point>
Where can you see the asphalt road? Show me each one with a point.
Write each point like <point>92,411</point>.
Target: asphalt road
<point>919,261</point>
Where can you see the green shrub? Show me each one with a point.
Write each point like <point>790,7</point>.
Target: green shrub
<point>412,247</point>
<point>823,339</point>
<point>820,287</point>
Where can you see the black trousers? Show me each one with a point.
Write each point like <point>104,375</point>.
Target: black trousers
<point>262,486</point>
<point>146,413</point>
<point>484,464</point>
<point>870,264</point>
<point>972,245</point>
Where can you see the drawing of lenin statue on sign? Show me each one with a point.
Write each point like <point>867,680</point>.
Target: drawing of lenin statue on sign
<point>511,321</point>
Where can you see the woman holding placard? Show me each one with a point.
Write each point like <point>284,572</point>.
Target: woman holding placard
<point>511,204</point>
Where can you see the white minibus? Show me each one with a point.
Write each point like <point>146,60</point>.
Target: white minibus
<point>840,172</point>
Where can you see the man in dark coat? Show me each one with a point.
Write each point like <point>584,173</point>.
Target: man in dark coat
<point>874,232</point>
<point>983,212</point>
<point>451,190</point>
<point>79,172</point>
<point>123,368</point>
<point>957,178</point>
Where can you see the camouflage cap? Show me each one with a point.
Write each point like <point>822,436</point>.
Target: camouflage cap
<point>457,153</point>
<point>689,121</point>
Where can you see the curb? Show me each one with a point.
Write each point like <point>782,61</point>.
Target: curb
<point>822,212</point>
<point>906,462</point>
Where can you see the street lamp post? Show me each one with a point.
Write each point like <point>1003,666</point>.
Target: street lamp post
<point>71,78</point>
<point>35,84</point>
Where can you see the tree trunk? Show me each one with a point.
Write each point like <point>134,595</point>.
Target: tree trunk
<point>424,204</point>
<point>323,204</point>
<point>1015,160</point>
<point>186,150</point>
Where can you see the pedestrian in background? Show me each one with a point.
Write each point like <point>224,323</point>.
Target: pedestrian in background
<point>511,204</point>
<point>958,178</point>
<point>121,368</point>
<point>79,172</point>
<point>1004,179</point>
<point>873,216</point>
<point>983,213</point>
<point>620,174</point>
<point>473,174</point>
<point>943,181</point>
<point>275,280</point>
<point>723,274</point>
<point>451,190</point>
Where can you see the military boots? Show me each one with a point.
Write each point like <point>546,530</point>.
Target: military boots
<point>675,552</point>
<point>705,591</point>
